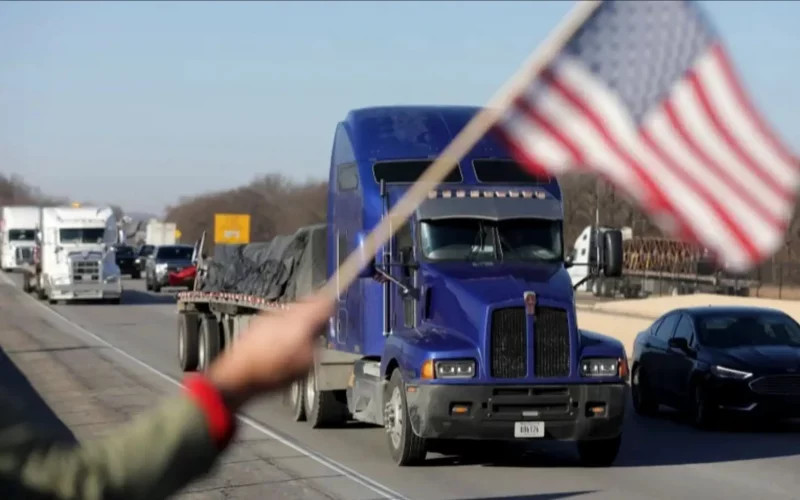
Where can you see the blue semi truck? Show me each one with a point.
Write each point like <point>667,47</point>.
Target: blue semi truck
<point>464,326</point>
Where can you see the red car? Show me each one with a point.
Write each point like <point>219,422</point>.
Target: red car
<point>183,278</point>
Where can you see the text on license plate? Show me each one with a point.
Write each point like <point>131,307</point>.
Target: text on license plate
<point>528,429</point>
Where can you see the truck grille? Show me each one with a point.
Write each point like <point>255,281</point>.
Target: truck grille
<point>551,343</point>
<point>86,270</point>
<point>508,343</point>
<point>777,385</point>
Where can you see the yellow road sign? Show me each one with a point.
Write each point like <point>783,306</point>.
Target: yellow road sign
<point>232,229</point>
<point>178,234</point>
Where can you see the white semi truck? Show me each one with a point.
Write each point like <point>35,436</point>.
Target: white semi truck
<point>75,256</point>
<point>18,226</point>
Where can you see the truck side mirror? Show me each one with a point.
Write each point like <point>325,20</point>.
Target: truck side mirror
<point>612,253</point>
<point>366,265</point>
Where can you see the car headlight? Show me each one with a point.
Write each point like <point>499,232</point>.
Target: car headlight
<point>725,372</point>
<point>462,368</point>
<point>603,367</point>
<point>161,267</point>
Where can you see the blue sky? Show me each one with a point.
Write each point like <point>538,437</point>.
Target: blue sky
<point>140,103</point>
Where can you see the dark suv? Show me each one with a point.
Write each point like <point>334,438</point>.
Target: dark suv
<point>126,258</point>
<point>164,260</point>
<point>141,257</point>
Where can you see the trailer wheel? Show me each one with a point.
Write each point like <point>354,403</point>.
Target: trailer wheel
<point>188,341</point>
<point>209,342</point>
<point>599,452</point>
<point>322,408</point>
<point>406,447</point>
<point>295,398</point>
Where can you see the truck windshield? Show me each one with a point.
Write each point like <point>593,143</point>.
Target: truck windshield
<point>481,240</point>
<point>82,235</point>
<point>21,234</point>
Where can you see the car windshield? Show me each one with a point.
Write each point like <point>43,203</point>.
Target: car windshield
<point>482,240</point>
<point>82,235</point>
<point>175,253</point>
<point>742,330</point>
<point>146,250</point>
<point>21,234</point>
<point>125,251</point>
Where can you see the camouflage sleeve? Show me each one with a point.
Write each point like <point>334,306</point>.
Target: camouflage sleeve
<point>152,457</point>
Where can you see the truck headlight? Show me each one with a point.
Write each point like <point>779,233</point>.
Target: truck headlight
<point>601,367</point>
<point>463,368</point>
<point>112,279</point>
<point>725,372</point>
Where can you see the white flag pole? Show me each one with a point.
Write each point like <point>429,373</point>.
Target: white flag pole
<point>472,132</point>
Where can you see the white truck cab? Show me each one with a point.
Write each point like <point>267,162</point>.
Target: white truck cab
<point>18,227</point>
<point>76,255</point>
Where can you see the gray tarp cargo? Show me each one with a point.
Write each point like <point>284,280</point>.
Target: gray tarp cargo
<point>282,269</point>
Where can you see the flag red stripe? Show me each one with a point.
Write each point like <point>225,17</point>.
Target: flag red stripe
<point>658,200</point>
<point>707,161</point>
<point>732,143</point>
<point>693,184</point>
<point>744,103</point>
<point>528,110</point>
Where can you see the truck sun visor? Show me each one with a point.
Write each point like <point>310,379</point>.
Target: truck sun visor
<point>408,171</point>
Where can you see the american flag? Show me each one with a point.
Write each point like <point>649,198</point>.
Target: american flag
<point>644,95</point>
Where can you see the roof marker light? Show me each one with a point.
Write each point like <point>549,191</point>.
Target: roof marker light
<point>475,193</point>
<point>431,194</point>
<point>461,193</point>
<point>527,194</point>
<point>513,194</point>
<point>540,195</point>
<point>447,193</point>
<point>488,194</point>
<point>500,194</point>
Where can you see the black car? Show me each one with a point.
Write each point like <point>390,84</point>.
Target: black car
<point>141,257</point>
<point>164,260</point>
<point>712,361</point>
<point>126,260</point>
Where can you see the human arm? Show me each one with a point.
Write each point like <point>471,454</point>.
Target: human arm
<point>163,450</point>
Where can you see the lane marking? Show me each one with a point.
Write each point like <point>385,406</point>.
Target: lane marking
<point>332,464</point>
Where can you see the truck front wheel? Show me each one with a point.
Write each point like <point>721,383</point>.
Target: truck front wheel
<point>600,452</point>
<point>406,447</point>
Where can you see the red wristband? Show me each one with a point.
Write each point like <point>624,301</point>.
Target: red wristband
<point>221,422</point>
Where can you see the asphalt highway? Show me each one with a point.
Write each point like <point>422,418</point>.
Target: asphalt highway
<point>660,457</point>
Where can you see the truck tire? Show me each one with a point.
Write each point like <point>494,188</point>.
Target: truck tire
<point>405,447</point>
<point>322,408</point>
<point>209,342</point>
<point>40,293</point>
<point>188,341</point>
<point>599,452</point>
<point>156,287</point>
<point>295,399</point>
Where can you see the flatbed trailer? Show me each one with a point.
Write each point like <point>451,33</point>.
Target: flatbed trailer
<point>209,322</point>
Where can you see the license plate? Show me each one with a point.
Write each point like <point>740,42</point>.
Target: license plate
<point>528,429</point>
